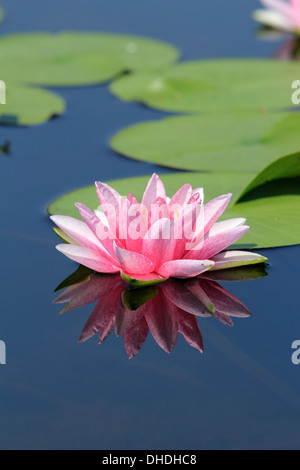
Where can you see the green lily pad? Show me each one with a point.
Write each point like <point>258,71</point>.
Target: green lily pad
<point>211,86</point>
<point>78,58</point>
<point>272,209</point>
<point>287,166</point>
<point>234,142</point>
<point>28,106</point>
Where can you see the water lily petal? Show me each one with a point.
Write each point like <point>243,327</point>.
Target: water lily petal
<point>233,259</point>
<point>224,301</point>
<point>88,292</point>
<point>214,209</point>
<point>88,257</point>
<point>135,337</point>
<point>155,188</point>
<point>132,262</point>
<point>184,268</point>
<point>181,197</point>
<point>216,243</point>
<point>159,210</point>
<point>189,328</point>
<point>77,230</point>
<point>225,225</point>
<point>272,18</point>
<point>100,214</point>
<point>199,191</point>
<point>101,231</point>
<point>112,203</point>
<point>159,243</point>
<point>180,295</point>
<point>126,319</point>
<point>278,5</point>
<point>161,317</point>
<point>223,318</point>
<point>103,314</point>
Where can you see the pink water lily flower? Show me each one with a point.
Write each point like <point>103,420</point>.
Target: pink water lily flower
<point>280,14</point>
<point>155,239</point>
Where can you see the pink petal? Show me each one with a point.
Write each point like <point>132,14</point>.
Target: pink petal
<point>159,244</point>
<point>233,259</point>
<point>88,292</point>
<point>161,317</point>
<point>111,203</point>
<point>189,228</point>
<point>280,6</point>
<point>107,330</point>
<point>88,257</point>
<point>77,230</point>
<point>199,191</point>
<point>132,199</point>
<point>132,262</point>
<point>189,328</point>
<point>159,210</point>
<point>135,337</point>
<point>126,319</point>
<point>225,225</point>
<point>134,224</point>
<point>214,209</point>
<point>101,231</point>
<point>184,268</point>
<point>181,197</point>
<point>179,294</point>
<point>155,188</point>
<point>103,314</point>
<point>223,318</point>
<point>217,243</point>
<point>223,300</point>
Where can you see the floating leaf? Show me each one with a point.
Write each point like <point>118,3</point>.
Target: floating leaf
<point>233,142</point>
<point>212,86</point>
<point>287,166</point>
<point>78,58</point>
<point>273,214</point>
<point>272,209</point>
<point>27,106</point>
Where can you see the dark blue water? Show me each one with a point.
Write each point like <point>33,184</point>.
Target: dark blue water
<point>244,390</point>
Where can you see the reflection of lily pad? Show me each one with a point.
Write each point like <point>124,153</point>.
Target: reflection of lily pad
<point>78,58</point>
<point>272,209</point>
<point>27,106</point>
<point>213,85</point>
<point>82,274</point>
<point>212,143</point>
<point>135,298</point>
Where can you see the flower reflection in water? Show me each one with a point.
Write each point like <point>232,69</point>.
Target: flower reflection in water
<point>289,50</point>
<point>163,310</point>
